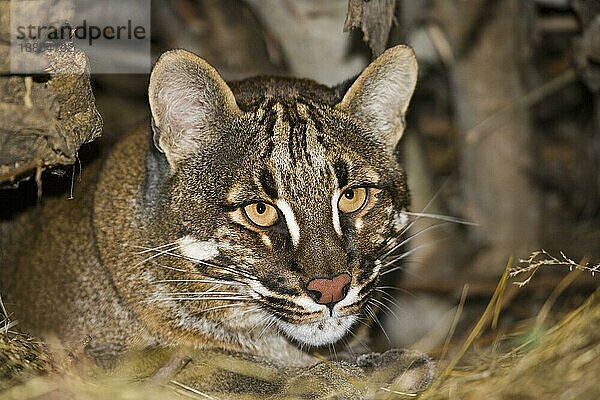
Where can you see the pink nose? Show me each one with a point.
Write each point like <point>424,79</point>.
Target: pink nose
<point>328,291</point>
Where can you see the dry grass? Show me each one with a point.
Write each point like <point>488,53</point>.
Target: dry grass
<point>558,363</point>
<point>538,362</point>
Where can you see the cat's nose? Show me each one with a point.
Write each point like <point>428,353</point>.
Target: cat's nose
<point>329,291</point>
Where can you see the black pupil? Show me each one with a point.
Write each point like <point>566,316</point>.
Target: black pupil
<point>261,208</point>
<point>349,194</point>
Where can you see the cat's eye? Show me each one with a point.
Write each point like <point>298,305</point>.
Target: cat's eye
<point>261,214</point>
<point>353,199</point>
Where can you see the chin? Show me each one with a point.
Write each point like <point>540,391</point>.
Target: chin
<point>320,333</point>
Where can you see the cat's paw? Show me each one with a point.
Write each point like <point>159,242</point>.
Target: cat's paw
<point>401,370</point>
<point>367,376</point>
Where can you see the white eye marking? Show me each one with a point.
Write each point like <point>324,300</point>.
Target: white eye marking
<point>290,220</point>
<point>196,250</point>
<point>335,212</point>
<point>267,241</point>
<point>400,220</point>
<point>358,224</point>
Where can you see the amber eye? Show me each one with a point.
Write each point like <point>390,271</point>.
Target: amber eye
<point>352,200</point>
<point>261,214</point>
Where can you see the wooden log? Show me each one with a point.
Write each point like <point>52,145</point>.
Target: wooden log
<point>44,119</point>
<point>374,18</point>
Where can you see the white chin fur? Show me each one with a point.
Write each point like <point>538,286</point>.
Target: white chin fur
<point>319,333</point>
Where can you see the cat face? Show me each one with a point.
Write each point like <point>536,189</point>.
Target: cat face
<point>281,193</point>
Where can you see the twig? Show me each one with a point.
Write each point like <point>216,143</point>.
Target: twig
<point>542,258</point>
<point>169,369</point>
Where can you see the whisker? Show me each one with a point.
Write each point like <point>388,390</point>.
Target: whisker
<point>355,336</point>
<point>200,281</point>
<point>374,317</point>
<point>260,322</point>
<point>405,291</point>
<point>441,217</point>
<point>252,309</point>
<point>169,267</point>
<point>223,306</point>
<point>332,349</point>
<point>158,254</point>
<point>229,269</point>
<point>411,237</point>
<point>402,256</point>
<point>213,289</point>
<point>169,251</point>
<point>411,223</point>
<point>382,304</point>
<point>232,281</point>
<point>203,293</point>
<point>269,324</point>
<point>392,240</point>
<point>387,296</point>
<point>149,249</point>
<point>193,298</point>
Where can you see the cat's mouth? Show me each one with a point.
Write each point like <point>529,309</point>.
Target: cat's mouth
<point>309,323</point>
<point>326,331</point>
<point>320,325</point>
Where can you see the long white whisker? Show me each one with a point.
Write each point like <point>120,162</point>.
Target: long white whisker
<point>269,324</point>
<point>255,308</point>
<point>200,281</point>
<point>158,254</point>
<point>169,267</point>
<point>411,237</point>
<point>169,251</point>
<point>402,256</point>
<point>441,217</point>
<point>193,298</point>
<point>382,304</point>
<point>357,338</point>
<point>229,269</point>
<point>149,249</point>
<point>387,296</point>
<point>203,293</point>
<point>405,291</point>
<point>374,317</point>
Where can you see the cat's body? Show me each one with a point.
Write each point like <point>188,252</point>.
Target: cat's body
<point>251,219</point>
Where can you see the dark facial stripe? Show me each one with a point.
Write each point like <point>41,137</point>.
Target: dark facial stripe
<point>268,183</point>
<point>281,303</point>
<point>341,173</point>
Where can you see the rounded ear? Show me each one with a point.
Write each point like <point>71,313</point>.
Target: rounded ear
<point>380,95</point>
<point>188,100</point>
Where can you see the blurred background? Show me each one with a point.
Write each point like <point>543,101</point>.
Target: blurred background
<point>503,135</point>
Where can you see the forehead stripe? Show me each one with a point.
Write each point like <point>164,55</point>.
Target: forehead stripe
<point>290,220</point>
<point>341,173</point>
<point>268,183</point>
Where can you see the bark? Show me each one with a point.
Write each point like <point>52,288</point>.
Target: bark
<point>311,36</point>
<point>374,18</point>
<point>44,120</point>
<point>495,160</point>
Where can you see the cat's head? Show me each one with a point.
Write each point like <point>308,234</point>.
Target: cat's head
<point>282,196</point>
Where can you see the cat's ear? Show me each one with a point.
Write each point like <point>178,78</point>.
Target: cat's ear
<point>188,100</point>
<point>380,95</point>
